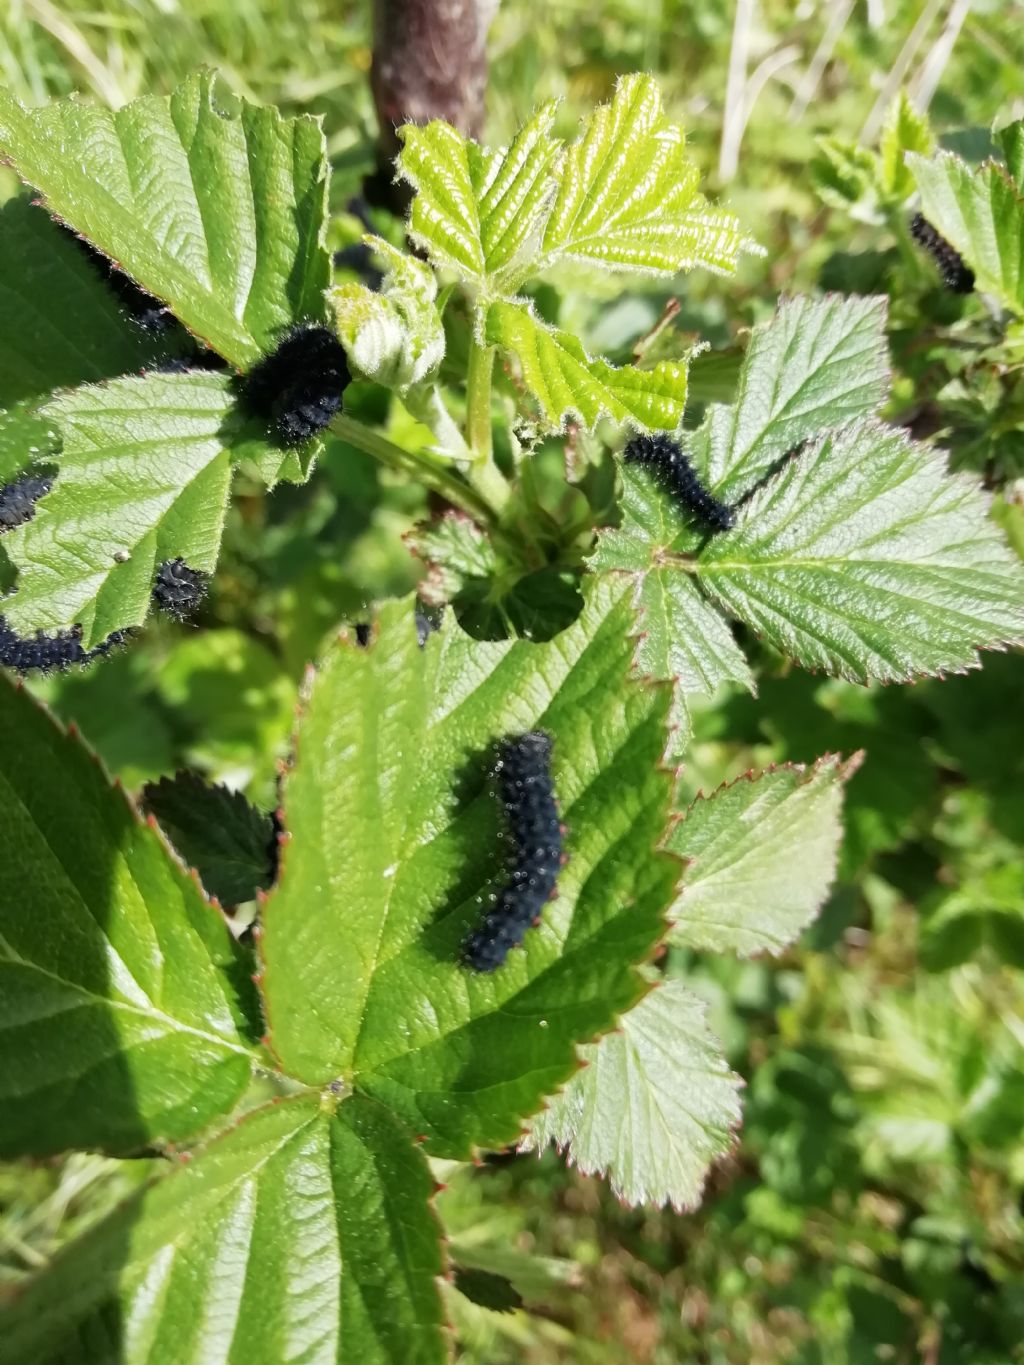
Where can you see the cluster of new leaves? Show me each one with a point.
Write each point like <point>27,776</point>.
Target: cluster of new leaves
<point>623,196</point>
<point>871,184</point>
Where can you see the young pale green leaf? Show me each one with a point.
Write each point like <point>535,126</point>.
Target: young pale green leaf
<point>568,383</point>
<point>60,324</point>
<point>818,364</point>
<point>628,198</point>
<point>126,1009</point>
<point>865,558</point>
<point>982,214</point>
<point>217,207</point>
<point>477,211</point>
<point>144,477</point>
<point>848,177</point>
<point>302,1234</point>
<point>231,844</point>
<point>762,854</point>
<point>905,130</point>
<point>393,336</point>
<point>394,851</point>
<point>654,1107</point>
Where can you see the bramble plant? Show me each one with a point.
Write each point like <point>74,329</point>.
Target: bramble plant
<point>300,1077</point>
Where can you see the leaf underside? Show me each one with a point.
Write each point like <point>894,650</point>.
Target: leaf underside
<point>655,1105</point>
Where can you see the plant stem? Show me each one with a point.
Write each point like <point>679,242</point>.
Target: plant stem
<point>484,474</point>
<point>419,466</point>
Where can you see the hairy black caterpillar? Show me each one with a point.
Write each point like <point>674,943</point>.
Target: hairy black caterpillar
<point>142,308</point>
<point>524,780</point>
<point>18,499</point>
<point>672,469</point>
<point>41,653</point>
<point>956,275</point>
<point>299,385</point>
<point>178,588</point>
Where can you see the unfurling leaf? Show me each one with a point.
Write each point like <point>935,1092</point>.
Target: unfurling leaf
<point>568,383</point>
<point>654,1107</point>
<point>395,336</point>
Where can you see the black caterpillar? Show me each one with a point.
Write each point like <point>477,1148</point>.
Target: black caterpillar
<point>298,387</point>
<point>527,793</point>
<point>41,653</point>
<point>179,589</point>
<point>672,469</point>
<point>18,499</point>
<point>142,308</point>
<point>956,275</point>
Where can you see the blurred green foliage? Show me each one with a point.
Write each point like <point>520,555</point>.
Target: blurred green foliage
<point>872,1209</point>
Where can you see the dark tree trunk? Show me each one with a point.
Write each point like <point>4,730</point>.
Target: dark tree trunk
<point>429,61</point>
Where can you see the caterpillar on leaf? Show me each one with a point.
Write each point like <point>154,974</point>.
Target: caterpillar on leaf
<point>535,830</point>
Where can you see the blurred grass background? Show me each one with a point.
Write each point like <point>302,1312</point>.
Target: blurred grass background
<point>872,1209</point>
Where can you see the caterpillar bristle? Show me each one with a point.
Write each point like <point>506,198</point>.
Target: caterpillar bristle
<point>18,499</point>
<point>178,588</point>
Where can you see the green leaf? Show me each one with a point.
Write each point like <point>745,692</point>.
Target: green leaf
<point>394,848</point>
<point>144,477</point>
<point>231,844</point>
<point>477,211</point>
<point>487,1290</point>
<point>394,336</point>
<point>568,383</point>
<point>1011,140</point>
<point>847,177</point>
<point>905,130</point>
<point>125,1006</point>
<point>628,199</point>
<point>302,1234</point>
<point>865,558</point>
<point>60,324</point>
<point>817,364</point>
<point>762,854</point>
<point>654,1107</point>
<point>982,214</point>
<point>218,207</point>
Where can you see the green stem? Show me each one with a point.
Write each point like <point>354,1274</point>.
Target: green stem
<point>484,474</point>
<point>418,465</point>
